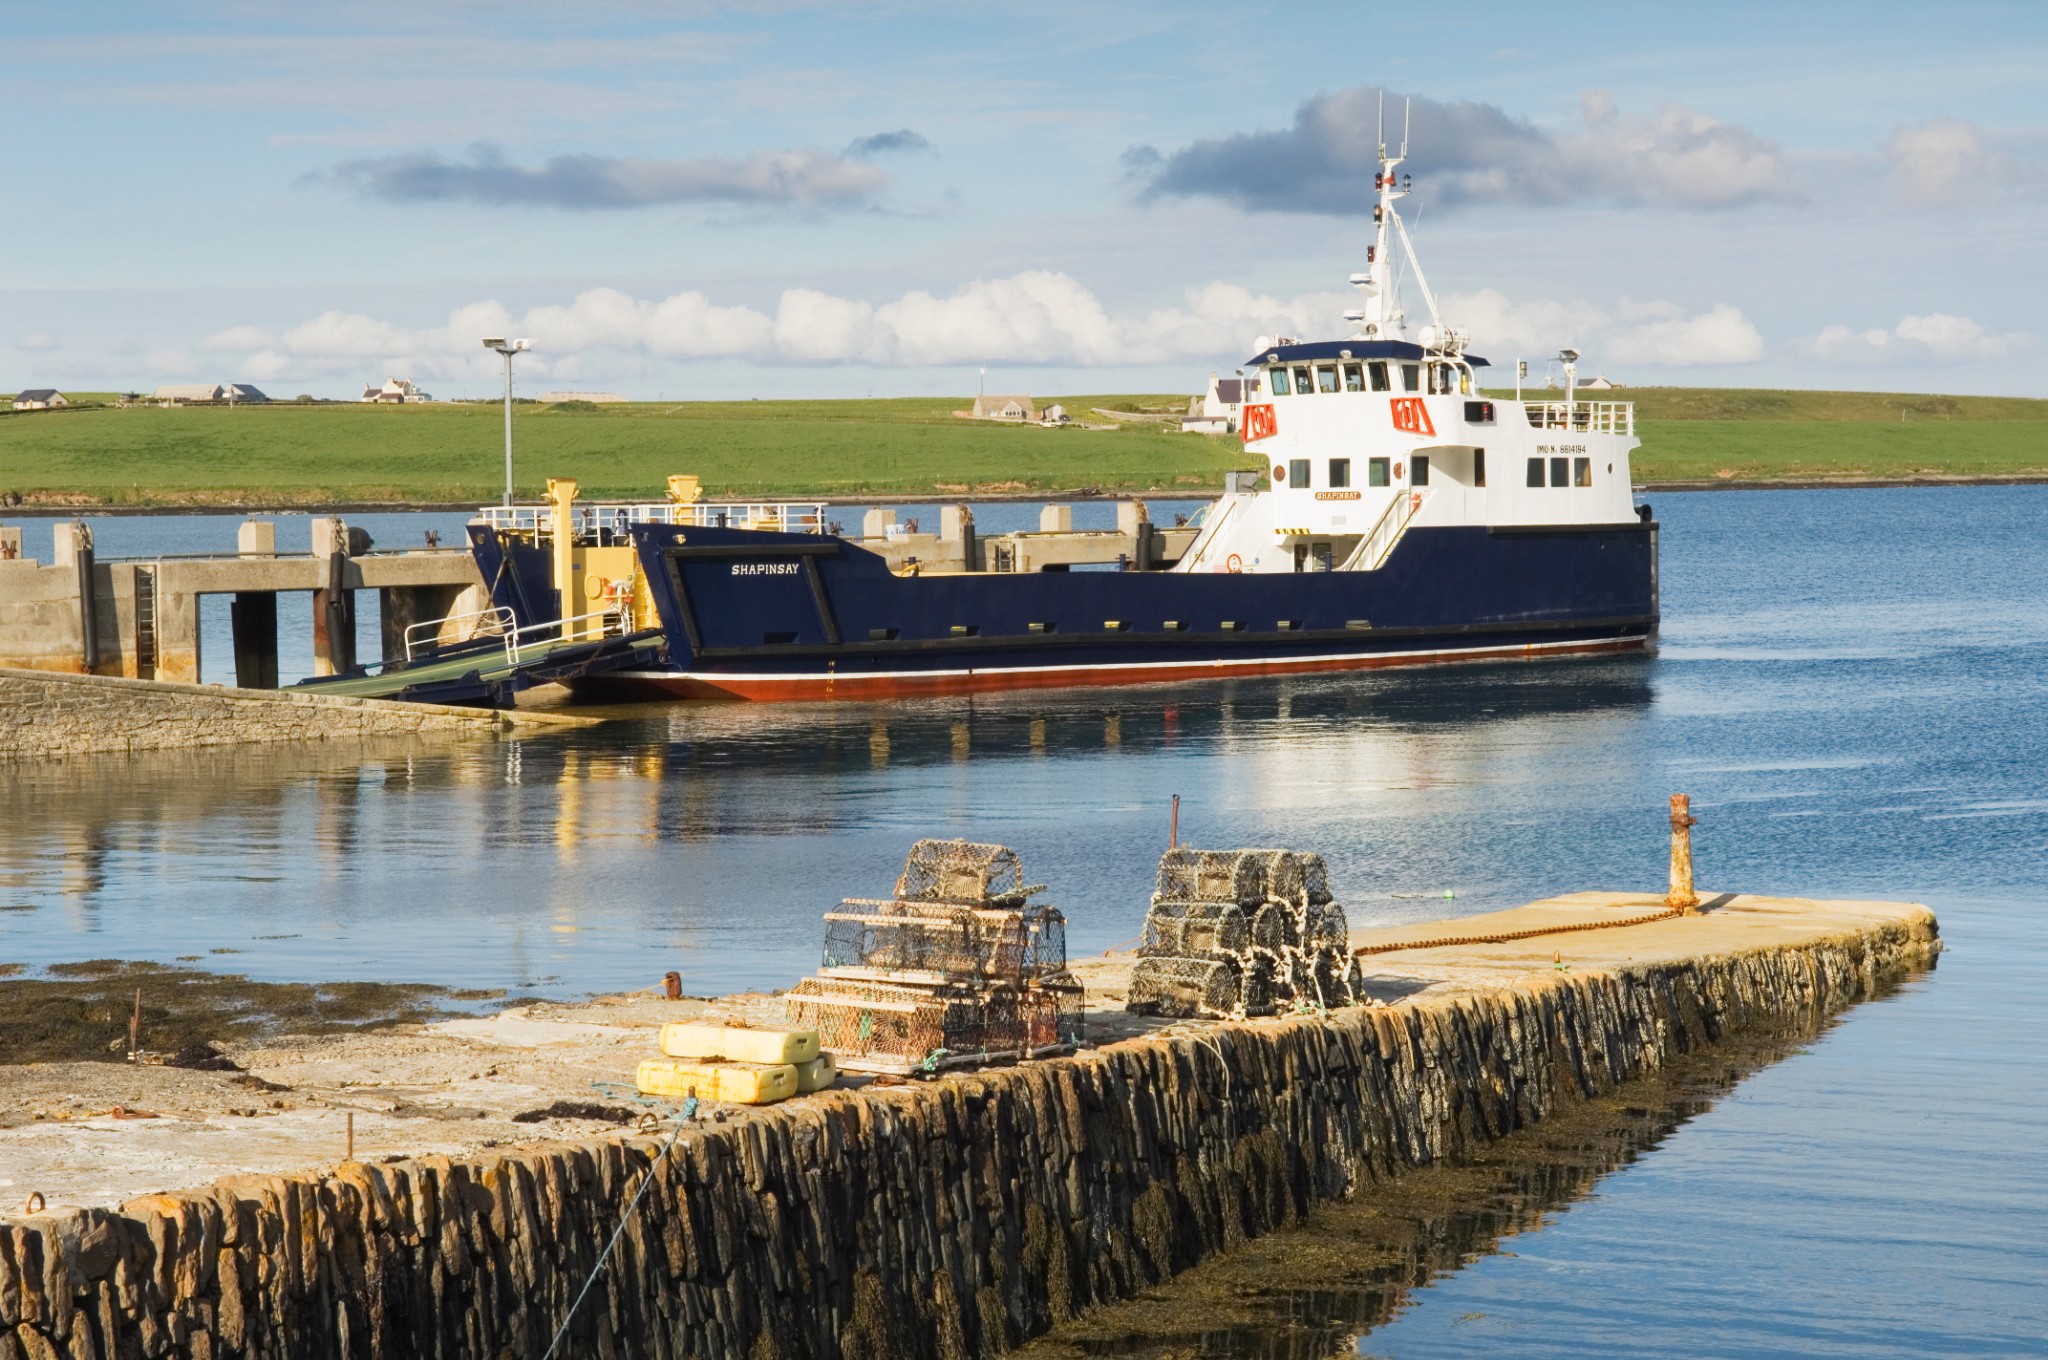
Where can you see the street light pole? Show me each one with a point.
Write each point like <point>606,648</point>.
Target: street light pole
<point>508,348</point>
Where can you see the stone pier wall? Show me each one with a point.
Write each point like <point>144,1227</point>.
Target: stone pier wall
<point>950,1219</point>
<point>48,715</point>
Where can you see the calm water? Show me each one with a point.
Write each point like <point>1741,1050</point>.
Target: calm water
<point>1852,686</point>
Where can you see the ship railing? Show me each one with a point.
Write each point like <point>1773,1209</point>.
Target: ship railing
<point>793,517</point>
<point>1211,532</point>
<point>609,623</point>
<point>1373,550</point>
<point>1584,417</point>
<point>496,620</point>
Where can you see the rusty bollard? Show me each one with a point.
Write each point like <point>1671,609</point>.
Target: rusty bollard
<point>1682,897</point>
<point>672,985</point>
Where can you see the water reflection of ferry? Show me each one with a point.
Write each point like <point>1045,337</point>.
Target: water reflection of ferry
<point>1410,519</point>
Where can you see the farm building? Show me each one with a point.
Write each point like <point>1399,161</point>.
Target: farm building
<point>39,399</point>
<point>243,395</point>
<point>1215,411</point>
<point>1016,408</point>
<point>395,391</point>
<point>171,393</point>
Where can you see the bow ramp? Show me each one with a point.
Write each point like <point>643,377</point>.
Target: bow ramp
<point>490,668</point>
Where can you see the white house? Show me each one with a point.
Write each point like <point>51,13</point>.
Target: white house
<point>1600,383</point>
<point>39,399</point>
<point>1215,411</point>
<point>172,393</point>
<point>395,391</point>
<point>1054,414</point>
<point>241,394</point>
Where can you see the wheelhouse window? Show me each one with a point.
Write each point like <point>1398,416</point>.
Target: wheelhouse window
<point>1479,467</point>
<point>1582,472</point>
<point>1418,470</point>
<point>1326,378</point>
<point>1535,472</point>
<point>1297,472</point>
<point>1411,377</point>
<point>1340,473</point>
<point>1303,385</point>
<point>1279,382</point>
<point>1354,378</point>
<point>1560,471</point>
<point>1380,380</point>
<point>1375,472</point>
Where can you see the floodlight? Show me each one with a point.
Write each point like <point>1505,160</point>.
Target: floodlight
<point>494,342</point>
<point>1570,356</point>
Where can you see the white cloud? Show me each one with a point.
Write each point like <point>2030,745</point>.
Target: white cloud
<point>1933,338</point>
<point>1678,157</point>
<point>238,340</point>
<point>1941,156</point>
<point>1658,333</point>
<point>1035,317</point>
<point>1720,335</point>
<point>37,342</point>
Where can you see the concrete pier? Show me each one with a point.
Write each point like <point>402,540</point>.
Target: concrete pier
<point>139,618</point>
<point>951,1218</point>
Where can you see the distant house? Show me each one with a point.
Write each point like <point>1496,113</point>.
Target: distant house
<point>1054,414</point>
<point>1215,411</point>
<point>1599,383</point>
<point>601,398</point>
<point>1002,408</point>
<point>39,399</point>
<point>173,393</point>
<point>241,394</point>
<point>395,392</point>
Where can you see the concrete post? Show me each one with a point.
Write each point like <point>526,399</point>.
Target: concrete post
<point>1682,897</point>
<point>256,538</point>
<point>875,523</point>
<point>334,614</point>
<point>1056,519</point>
<point>67,542</point>
<point>1129,515</point>
<point>956,525</point>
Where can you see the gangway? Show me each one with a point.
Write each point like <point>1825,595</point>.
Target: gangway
<point>491,668</point>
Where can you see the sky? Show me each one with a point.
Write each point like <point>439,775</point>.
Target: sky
<point>783,199</point>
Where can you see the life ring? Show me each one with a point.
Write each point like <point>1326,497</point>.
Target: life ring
<point>596,588</point>
<point>1233,564</point>
<point>1397,472</point>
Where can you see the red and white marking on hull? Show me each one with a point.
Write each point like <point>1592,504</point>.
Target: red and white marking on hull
<point>771,687</point>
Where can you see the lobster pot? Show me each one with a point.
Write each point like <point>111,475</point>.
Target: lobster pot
<point>948,938</point>
<point>874,1026</point>
<point>1184,988</point>
<point>1281,875</point>
<point>1330,976</point>
<point>1273,927</point>
<point>1315,876</point>
<point>870,1026</point>
<point>1044,945</point>
<point>1323,927</point>
<point>957,871</point>
<point>1195,930</point>
<point>1260,985</point>
<point>1060,1001</point>
<point>1187,875</point>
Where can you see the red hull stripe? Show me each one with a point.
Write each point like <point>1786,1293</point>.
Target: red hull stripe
<point>897,684</point>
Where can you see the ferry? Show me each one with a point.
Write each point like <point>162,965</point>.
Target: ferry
<point>1399,516</point>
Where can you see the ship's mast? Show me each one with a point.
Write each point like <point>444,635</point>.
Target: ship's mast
<point>1381,317</point>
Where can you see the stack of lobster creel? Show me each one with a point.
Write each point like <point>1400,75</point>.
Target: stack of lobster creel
<point>1242,932</point>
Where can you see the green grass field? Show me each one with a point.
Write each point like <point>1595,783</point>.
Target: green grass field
<point>287,454</point>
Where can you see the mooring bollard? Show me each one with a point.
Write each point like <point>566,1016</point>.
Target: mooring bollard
<point>672,985</point>
<point>1682,897</point>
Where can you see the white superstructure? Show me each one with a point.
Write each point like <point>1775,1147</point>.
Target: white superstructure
<point>1375,435</point>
